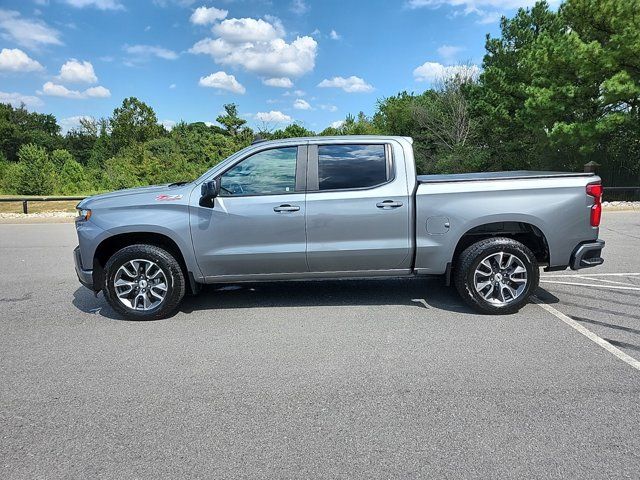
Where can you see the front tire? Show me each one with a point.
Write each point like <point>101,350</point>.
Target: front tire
<point>143,282</point>
<point>496,275</point>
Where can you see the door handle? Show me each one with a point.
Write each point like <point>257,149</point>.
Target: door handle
<point>388,204</point>
<point>286,208</point>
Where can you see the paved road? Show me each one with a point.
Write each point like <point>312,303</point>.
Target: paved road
<point>342,379</point>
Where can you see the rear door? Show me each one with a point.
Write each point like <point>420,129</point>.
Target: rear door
<point>358,208</point>
<point>257,223</point>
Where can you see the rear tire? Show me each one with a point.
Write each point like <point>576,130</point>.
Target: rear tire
<point>496,275</point>
<point>143,282</point>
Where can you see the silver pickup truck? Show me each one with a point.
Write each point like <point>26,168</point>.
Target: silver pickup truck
<point>336,207</point>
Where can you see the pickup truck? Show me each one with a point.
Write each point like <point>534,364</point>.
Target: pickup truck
<point>336,207</point>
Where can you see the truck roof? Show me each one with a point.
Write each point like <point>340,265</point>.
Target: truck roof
<point>341,138</point>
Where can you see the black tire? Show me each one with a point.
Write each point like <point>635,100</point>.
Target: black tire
<point>470,259</point>
<point>163,259</point>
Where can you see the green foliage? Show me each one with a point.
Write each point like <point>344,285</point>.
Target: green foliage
<point>133,122</point>
<point>19,126</point>
<point>59,157</point>
<point>36,174</point>
<point>558,89</point>
<point>230,120</point>
<point>72,178</point>
<point>292,131</point>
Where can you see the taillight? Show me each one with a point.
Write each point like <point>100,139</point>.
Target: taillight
<point>595,190</point>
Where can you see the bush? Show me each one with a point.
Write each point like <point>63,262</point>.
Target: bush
<point>72,179</point>
<point>36,171</point>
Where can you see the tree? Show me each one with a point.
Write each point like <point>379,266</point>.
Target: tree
<point>37,171</point>
<point>230,120</point>
<point>19,126</point>
<point>72,178</point>
<point>292,131</point>
<point>586,78</point>
<point>498,101</point>
<point>133,122</point>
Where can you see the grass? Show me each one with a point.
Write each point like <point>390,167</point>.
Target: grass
<point>38,207</point>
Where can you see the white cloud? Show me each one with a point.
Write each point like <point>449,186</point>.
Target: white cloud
<point>295,93</point>
<point>223,81</point>
<point>26,32</point>
<point>172,86</point>
<point>488,11</point>
<point>449,52</point>
<point>351,84</point>
<point>147,51</point>
<point>275,58</point>
<point>258,46</point>
<point>337,124</point>
<point>15,60</point>
<point>281,82</point>
<point>16,99</point>
<point>99,4</point>
<point>239,30</point>
<point>333,35</point>
<point>205,16</point>
<point>299,7</point>
<point>97,92</point>
<point>74,71</point>
<point>433,71</point>
<point>301,104</point>
<point>56,90</point>
<point>70,123</point>
<point>329,108</point>
<point>274,116</point>
<point>168,124</point>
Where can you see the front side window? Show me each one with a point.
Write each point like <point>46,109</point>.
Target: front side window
<point>351,166</point>
<point>270,172</point>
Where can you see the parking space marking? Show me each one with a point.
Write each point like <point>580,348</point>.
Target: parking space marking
<point>564,275</point>
<point>601,280</point>
<point>588,333</point>
<point>575,284</point>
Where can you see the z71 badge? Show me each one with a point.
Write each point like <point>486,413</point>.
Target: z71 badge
<point>167,198</point>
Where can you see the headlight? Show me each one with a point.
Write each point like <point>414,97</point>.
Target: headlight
<point>84,214</point>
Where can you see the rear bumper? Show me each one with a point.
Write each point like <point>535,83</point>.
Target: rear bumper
<point>587,255</point>
<point>84,276</point>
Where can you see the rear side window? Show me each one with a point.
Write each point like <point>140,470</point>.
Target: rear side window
<point>351,166</point>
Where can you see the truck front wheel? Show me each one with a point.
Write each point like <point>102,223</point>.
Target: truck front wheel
<point>143,282</point>
<point>496,275</point>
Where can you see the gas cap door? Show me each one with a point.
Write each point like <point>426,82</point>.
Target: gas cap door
<point>438,225</point>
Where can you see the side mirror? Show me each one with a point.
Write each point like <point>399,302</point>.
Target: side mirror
<point>208,192</point>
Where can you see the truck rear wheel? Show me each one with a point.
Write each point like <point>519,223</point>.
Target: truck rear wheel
<point>496,275</point>
<point>143,282</point>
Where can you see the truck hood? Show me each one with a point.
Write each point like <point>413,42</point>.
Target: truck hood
<point>152,189</point>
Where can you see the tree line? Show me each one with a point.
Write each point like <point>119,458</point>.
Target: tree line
<point>557,89</point>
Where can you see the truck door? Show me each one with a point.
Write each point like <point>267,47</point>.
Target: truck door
<point>358,208</point>
<point>257,223</point>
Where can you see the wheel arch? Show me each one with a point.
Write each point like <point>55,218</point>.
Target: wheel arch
<point>524,232</point>
<point>110,245</point>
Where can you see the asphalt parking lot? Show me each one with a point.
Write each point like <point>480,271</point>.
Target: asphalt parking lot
<point>342,379</point>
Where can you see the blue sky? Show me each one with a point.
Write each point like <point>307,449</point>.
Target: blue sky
<point>309,61</point>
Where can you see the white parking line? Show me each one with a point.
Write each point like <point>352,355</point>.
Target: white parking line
<point>613,287</point>
<point>601,280</point>
<point>588,333</point>
<point>592,275</point>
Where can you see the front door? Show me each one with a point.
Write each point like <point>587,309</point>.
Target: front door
<point>257,223</point>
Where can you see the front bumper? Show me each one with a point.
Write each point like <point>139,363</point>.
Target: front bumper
<point>587,255</point>
<point>84,276</point>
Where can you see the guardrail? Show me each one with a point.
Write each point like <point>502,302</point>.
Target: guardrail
<point>616,193</point>
<point>25,200</point>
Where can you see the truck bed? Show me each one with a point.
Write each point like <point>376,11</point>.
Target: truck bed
<point>480,176</point>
